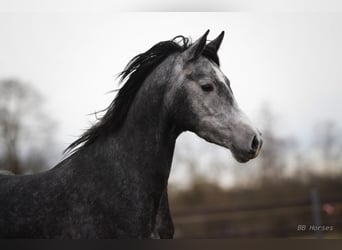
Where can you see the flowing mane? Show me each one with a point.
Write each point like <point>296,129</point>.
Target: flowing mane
<point>132,77</point>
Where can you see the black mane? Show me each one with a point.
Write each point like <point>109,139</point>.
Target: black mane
<point>134,75</point>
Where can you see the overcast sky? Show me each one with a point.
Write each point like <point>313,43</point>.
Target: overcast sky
<point>291,61</point>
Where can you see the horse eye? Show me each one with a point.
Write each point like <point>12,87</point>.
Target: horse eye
<point>207,87</point>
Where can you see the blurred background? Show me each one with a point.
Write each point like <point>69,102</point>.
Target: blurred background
<point>58,68</point>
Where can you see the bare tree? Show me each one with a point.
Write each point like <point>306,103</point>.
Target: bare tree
<point>23,125</point>
<point>327,139</point>
<point>272,160</point>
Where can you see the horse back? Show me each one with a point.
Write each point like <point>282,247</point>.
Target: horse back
<point>28,203</point>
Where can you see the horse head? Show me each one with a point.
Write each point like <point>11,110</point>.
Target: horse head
<point>205,103</point>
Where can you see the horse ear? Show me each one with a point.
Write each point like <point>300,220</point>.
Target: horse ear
<point>195,50</point>
<point>215,44</point>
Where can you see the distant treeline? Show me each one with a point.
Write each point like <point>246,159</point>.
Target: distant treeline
<point>271,208</point>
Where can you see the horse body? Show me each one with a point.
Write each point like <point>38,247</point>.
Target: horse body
<point>115,185</point>
<point>121,184</point>
<point>66,202</point>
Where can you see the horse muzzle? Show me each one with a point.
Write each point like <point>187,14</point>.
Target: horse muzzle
<point>250,151</point>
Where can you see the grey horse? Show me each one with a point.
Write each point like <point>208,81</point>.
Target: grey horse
<point>113,182</point>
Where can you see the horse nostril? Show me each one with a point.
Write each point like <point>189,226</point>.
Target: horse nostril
<point>255,144</point>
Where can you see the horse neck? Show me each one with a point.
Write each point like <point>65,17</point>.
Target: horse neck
<point>145,142</point>
<point>148,126</point>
